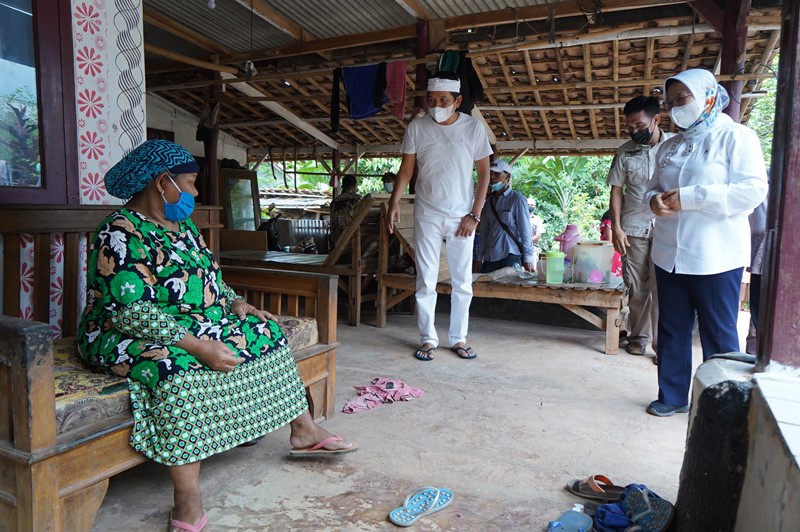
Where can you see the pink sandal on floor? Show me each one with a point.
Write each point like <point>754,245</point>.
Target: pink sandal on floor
<point>197,527</point>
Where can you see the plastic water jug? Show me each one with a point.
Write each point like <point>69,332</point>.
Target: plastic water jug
<point>593,261</point>
<point>568,239</point>
<point>555,267</point>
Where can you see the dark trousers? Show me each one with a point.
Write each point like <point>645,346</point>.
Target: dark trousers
<point>510,260</point>
<point>715,299</point>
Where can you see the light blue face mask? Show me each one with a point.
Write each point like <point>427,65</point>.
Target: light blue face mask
<point>180,210</point>
<point>388,187</point>
<point>494,187</point>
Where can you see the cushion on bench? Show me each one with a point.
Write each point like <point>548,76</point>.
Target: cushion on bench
<point>84,397</point>
<point>301,332</point>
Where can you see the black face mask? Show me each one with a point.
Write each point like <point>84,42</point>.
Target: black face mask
<point>642,136</point>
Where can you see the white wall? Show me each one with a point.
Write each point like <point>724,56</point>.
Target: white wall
<point>162,114</point>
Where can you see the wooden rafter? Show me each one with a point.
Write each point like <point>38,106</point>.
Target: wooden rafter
<point>564,92</point>
<point>265,12</point>
<point>253,90</point>
<point>510,83</point>
<point>762,65</point>
<point>538,97</point>
<point>687,52</point>
<point>648,65</point>
<point>491,99</point>
<point>175,56</point>
<point>587,74</point>
<point>159,20</point>
<point>415,8</point>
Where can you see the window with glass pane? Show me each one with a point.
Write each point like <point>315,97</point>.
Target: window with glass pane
<point>20,161</point>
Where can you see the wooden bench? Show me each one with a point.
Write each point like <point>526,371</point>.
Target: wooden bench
<point>353,258</point>
<point>53,479</point>
<point>394,288</point>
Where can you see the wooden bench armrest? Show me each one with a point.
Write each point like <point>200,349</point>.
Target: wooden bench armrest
<point>299,294</point>
<point>27,395</point>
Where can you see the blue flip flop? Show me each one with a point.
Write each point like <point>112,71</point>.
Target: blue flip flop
<point>419,503</point>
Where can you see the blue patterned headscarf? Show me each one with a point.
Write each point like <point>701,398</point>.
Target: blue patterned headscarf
<point>137,169</point>
<point>705,89</point>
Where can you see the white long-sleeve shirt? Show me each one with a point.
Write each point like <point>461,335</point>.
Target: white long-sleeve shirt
<point>721,176</point>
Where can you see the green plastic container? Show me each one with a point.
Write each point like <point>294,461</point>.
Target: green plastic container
<point>555,267</point>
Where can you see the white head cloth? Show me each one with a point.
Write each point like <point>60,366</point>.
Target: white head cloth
<point>447,85</point>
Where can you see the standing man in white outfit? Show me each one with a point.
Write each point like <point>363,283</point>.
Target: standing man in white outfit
<point>444,145</point>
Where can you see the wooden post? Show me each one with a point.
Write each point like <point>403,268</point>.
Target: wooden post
<point>780,306</point>
<point>421,101</point>
<point>210,146</point>
<point>734,42</point>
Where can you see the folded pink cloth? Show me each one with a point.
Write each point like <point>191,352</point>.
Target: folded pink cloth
<point>379,392</point>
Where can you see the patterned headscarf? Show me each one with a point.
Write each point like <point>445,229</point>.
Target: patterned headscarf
<point>704,87</point>
<point>137,169</point>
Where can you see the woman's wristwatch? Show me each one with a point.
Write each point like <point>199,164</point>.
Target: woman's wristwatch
<point>473,216</point>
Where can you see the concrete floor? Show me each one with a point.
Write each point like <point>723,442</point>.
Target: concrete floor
<point>539,406</point>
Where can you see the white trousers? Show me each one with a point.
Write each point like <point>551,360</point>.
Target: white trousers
<point>428,235</point>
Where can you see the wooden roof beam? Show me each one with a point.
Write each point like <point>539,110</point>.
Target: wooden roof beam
<point>415,8</point>
<point>710,12</point>
<point>761,66</point>
<point>265,12</point>
<point>510,83</point>
<point>282,111</point>
<point>587,75</point>
<point>326,45</point>
<point>159,20</point>
<point>503,121</point>
<point>564,92</point>
<point>175,56</point>
<point>538,97</point>
<point>541,12</point>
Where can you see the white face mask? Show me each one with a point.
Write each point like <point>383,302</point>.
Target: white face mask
<point>686,115</point>
<point>441,114</point>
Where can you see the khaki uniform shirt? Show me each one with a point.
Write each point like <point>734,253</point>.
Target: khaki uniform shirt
<point>632,168</point>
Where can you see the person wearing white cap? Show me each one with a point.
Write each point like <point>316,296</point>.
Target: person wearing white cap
<point>505,227</point>
<point>444,145</point>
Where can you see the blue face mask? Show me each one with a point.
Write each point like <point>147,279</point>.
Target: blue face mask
<point>388,187</point>
<point>180,210</point>
<point>494,187</point>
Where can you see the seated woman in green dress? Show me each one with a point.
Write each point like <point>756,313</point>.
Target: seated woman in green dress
<point>206,371</point>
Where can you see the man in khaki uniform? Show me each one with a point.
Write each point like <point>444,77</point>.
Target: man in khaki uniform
<point>632,226</point>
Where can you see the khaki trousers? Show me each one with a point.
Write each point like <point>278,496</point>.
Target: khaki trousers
<point>638,272</point>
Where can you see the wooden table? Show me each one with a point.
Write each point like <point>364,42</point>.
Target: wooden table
<point>575,297</point>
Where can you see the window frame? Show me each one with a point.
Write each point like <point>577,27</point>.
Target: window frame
<point>55,85</point>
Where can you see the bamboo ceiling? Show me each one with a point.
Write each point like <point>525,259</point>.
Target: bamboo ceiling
<point>556,76</point>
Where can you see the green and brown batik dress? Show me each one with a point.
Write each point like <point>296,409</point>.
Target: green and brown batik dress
<point>147,288</point>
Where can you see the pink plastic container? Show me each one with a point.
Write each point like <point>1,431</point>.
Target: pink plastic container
<point>568,239</point>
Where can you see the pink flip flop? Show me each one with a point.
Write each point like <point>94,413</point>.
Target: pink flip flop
<point>319,449</point>
<point>197,527</point>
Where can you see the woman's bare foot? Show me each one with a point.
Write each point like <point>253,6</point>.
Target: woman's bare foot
<point>188,499</point>
<point>306,434</point>
<point>188,509</point>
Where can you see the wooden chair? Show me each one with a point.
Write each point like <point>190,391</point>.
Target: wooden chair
<point>53,476</point>
<point>354,257</point>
